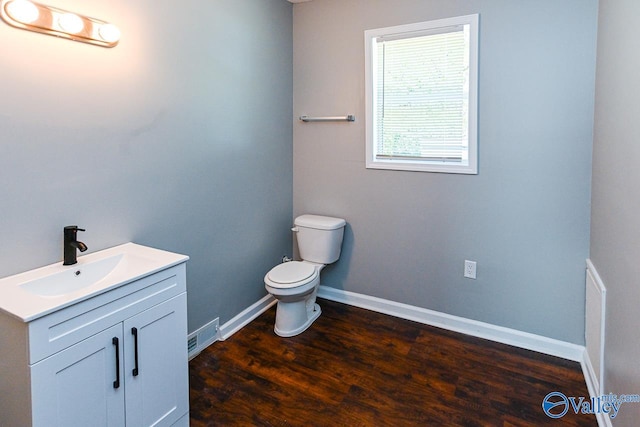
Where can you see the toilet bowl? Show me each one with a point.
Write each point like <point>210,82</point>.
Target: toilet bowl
<point>295,284</point>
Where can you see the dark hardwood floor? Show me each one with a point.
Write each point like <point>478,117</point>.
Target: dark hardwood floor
<point>355,367</point>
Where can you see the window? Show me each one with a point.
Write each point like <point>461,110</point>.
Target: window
<point>421,99</point>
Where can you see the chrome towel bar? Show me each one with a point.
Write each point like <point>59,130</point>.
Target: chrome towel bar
<point>349,118</point>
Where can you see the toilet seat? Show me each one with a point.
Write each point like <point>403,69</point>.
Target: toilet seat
<point>291,275</point>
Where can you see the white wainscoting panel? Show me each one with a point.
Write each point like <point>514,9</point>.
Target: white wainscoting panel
<point>596,295</point>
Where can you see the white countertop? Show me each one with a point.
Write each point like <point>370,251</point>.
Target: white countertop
<point>130,262</point>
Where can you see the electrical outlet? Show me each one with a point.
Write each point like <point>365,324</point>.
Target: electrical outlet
<point>469,269</point>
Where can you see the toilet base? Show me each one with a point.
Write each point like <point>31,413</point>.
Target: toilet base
<point>294,318</point>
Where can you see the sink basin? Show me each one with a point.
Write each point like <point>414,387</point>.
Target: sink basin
<point>73,279</point>
<point>35,293</point>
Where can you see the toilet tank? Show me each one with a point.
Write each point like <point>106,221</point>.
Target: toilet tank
<point>319,238</point>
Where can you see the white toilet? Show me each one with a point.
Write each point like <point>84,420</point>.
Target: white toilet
<point>295,284</point>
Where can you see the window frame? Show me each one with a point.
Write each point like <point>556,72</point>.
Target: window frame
<point>416,30</point>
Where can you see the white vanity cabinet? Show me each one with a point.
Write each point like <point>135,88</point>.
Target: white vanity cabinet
<point>115,359</point>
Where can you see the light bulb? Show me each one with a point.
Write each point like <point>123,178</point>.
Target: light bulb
<point>109,33</point>
<point>23,11</point>
<point>71,23</point>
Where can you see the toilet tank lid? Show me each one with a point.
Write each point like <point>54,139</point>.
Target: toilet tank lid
<point>319,222</point>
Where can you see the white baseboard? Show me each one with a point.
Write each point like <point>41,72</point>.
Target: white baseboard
<point>475,328</point>
<point>425,316</point>
<point>591,378</point>
<point>603,420</point>
<point>246,316</point>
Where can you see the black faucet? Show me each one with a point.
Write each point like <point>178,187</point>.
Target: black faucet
<point>71,243</point>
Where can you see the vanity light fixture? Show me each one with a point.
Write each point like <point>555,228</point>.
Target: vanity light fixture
<point>50,20</point>
<point>70,23</point>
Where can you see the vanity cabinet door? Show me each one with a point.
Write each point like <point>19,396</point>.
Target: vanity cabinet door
<point>81,385</point>
<point>156,364</point>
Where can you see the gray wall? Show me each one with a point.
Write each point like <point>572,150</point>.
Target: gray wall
<point>524,218</point>
<point>615,223</point>
<point>178,138</point>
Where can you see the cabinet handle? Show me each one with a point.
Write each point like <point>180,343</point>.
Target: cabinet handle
<point>134,332</point>
<point>116,342</point>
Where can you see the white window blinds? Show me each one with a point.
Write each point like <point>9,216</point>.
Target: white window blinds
<point>421,95</point>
